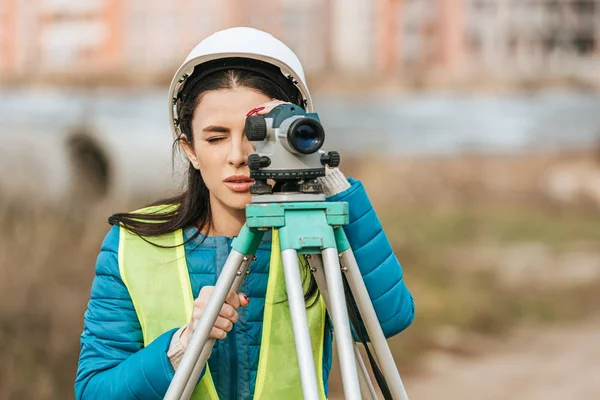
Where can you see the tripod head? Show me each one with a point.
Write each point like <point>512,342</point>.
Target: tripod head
<point>288,144</point>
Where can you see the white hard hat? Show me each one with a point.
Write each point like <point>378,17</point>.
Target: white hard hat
<point>229,49</point>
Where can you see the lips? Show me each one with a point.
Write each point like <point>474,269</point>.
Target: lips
<point>238,183</point>
<point>238,179</point>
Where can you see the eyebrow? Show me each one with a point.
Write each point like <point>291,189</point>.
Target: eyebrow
<point>216,128</point>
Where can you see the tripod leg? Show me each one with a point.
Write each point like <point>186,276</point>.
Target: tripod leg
<point>293,282</point>
<point>367,311</point>
<point>366,386</point>
<point>341,322</point>
<point>191,384</point>
<point>207,321</point>
<point>316,267</point>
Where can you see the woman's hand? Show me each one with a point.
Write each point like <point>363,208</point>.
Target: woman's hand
<point>224,323</point>
<point>265,108</point>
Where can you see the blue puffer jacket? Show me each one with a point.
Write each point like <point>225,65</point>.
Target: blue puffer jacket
<point>114,364</point>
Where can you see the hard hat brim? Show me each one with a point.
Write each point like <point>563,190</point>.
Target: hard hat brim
<point>187,69</point>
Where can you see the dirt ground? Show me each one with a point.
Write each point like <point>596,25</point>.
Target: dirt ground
<point>561,362</point>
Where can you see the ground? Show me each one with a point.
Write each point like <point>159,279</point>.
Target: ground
<point>560,362</point>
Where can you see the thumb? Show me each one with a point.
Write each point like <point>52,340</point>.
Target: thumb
<point>244,300</point>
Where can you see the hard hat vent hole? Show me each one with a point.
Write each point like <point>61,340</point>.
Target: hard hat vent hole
<point>90,167</point>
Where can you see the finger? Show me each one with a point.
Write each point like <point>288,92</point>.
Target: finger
<point>200,302</point>
<point>232,299</point>
<point>184,336</point>
<point>197,313</point>
<point>217,333</point>
<point>203,296</point>
<point>253,111</point>
<point>205,291</point>
<point>194,325</point>
<point>268,107</point>
<point>221,324</point>
<point>224,324</point>
<point>244,300</point>
<point>229,312</point>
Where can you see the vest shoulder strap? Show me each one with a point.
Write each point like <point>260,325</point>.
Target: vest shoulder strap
<point>155,273</point>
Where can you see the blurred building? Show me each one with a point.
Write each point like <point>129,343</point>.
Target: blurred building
<point>49,37</point>
<point>529,37</point>
<point>457,38</point>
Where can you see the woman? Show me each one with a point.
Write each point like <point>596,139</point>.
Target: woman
<point>155,262</point>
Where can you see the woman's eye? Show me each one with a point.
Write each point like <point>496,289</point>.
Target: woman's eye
<point>215,139</point>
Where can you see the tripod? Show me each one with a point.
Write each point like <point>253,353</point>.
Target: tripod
<point>309,226</point>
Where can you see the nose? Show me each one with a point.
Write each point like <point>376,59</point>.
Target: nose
<point>238,154</point>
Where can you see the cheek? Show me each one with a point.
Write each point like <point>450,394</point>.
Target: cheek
<point>210,162</point>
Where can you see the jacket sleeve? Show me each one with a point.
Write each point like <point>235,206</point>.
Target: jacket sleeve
<point>377,262</point>
<point>113,363</point>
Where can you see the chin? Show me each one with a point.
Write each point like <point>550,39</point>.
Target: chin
<point>240,201</point>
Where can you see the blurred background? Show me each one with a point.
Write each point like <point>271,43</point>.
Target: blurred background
<point>474,124</point>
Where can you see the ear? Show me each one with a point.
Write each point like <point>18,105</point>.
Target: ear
<point>188,147</point>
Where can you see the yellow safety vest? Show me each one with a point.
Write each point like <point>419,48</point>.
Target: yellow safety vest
<point>158,282</point>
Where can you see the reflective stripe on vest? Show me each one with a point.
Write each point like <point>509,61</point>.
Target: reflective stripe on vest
<point>158,282</point>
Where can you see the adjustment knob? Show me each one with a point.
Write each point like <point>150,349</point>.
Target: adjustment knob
<point>261,187</point>
<point>256,128</point>
<point>332,159</point>
<point>256,162</point>
<point>253,162</point>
